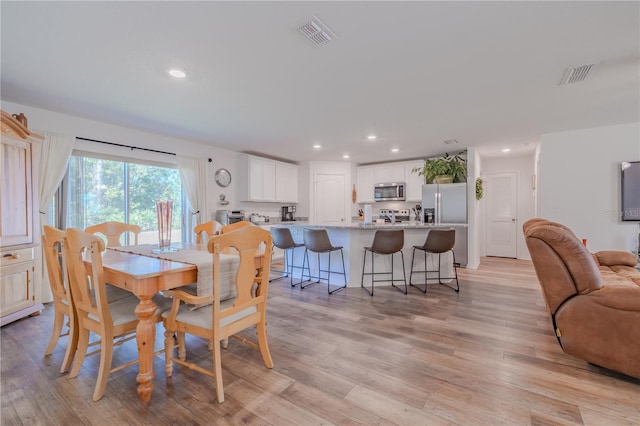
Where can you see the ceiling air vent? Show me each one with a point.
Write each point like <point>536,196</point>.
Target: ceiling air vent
<point>577,74</point>
<point>316,31</point>
<point>450,141</point>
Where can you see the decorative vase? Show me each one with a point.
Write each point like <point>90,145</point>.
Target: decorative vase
<point>164,211</point>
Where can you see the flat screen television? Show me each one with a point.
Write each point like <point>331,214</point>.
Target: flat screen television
<point>631,191</point>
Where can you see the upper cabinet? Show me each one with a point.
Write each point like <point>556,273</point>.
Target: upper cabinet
<point>267,180</point>
<point>389,173</point>
<point>414,181</point>
<point>18,200</point>
<point>286,182</point>
<point>368,176</point>
<point>366,181</point>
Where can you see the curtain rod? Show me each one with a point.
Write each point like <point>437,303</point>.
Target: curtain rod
<point>126,146</point>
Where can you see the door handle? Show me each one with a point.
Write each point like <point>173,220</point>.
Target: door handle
<point>513,219</point>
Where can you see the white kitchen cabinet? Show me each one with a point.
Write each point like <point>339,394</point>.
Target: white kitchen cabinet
<point>414,181</point>
<point>259,179</point>
<point>286,182</point>
<point>19,286</point>
<point>267,180</point>
<point>366,181</point>
<point>389,173</point>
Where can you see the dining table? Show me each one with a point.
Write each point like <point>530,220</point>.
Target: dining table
<point>145,274</point>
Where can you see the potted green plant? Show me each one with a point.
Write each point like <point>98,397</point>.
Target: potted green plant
<point>444,169</point>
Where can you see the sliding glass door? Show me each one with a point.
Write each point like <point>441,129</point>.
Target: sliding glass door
<point>100,190</point>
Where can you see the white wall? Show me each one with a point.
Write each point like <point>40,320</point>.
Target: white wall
<point>80,127</point>
<point>523,167</point>
<point>580,183</point>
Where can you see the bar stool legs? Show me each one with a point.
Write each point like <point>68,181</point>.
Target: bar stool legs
<point>373,274</point>
<point>288,266</point>
<point>320,270</point>
<point>438,241</point>
<point>317,241</point>
<point>283,240</point>
<point>385,242</point>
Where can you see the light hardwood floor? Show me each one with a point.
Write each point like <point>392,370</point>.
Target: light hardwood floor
<point>481,357</point>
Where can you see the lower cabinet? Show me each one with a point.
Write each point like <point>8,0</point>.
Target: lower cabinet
<point>17,289</point>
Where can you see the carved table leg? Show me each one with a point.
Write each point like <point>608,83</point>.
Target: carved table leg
<point>145,336</point>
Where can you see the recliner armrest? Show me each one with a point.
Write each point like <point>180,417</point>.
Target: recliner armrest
<point>614,257</point>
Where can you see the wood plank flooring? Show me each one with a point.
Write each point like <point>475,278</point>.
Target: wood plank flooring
<point>484,356</point>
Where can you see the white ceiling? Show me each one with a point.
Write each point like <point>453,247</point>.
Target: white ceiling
<point>413,73</point>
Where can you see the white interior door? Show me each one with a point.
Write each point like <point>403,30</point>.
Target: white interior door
<point>330,204</point>
<point>502,224</point>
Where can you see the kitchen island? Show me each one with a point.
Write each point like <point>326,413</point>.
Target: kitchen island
<point>353,237</point>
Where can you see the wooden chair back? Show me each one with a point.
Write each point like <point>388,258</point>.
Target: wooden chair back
<point>55,262</point>
<point>87,282</point>
<point>233,226</point>
<point>221,320</point>
<point>251,287</point>
<point>210,228</point>
<point>113,232</point>
<point>83,252</point>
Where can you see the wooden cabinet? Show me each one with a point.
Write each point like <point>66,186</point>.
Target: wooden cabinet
<point>266,180</point>
<point>414,181</point>
<point>19,286</point>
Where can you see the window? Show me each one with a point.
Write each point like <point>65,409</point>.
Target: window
<point>100,190</point>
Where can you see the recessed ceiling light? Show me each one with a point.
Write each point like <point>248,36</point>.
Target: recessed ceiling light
<point>177,73</point>
<point>372,137</point>
<point>317,146</point>
<point>345,156</point>
<point>506,150</point>
<point>394,150</point>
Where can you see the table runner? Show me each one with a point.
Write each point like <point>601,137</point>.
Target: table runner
<point>202,259</point>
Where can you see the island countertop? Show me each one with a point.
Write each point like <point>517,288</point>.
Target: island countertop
<point>361,225</point>
<point>354,236</point>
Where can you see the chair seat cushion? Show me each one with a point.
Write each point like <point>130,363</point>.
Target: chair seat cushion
<point>123,310</point>
<point>203,316</point>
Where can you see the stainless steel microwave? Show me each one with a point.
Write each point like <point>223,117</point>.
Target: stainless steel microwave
<point>389,191</point>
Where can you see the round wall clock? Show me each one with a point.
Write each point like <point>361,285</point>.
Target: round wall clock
<point>223,177</point>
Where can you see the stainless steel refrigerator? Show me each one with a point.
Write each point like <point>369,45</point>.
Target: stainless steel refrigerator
<point>446,204</point>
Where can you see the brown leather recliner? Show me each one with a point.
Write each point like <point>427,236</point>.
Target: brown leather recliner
<point>595,319</point>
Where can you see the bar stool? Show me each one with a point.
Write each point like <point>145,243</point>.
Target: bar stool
<point>317,241</point>
<point>385,242</point>
<point>438,241</point>
<point>283,240</point>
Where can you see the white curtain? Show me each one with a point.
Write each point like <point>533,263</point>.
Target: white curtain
<point>193,172</point>
<point>50,159</point>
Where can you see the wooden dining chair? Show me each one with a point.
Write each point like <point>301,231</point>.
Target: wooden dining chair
<point>52,245</point>
<point>221,320</point>
<point>110,321</point>
<point>236,225</point>
<point>210,228</point>
<point>113,232</point>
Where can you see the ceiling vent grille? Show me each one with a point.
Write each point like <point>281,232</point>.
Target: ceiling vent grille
<point>577,74</point>
<point>450,141</point>
<point>316,31</point>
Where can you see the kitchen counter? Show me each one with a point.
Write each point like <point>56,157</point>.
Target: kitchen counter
<point>354,236</point>
<point>361,225</point>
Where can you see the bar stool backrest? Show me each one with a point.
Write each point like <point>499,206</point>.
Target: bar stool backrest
<point>440,240</point>
<point>282,238</point>
<point>388,241</point>
<point>317,240</point>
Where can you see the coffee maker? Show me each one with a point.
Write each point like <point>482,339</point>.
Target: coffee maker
<point>288,213</point>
